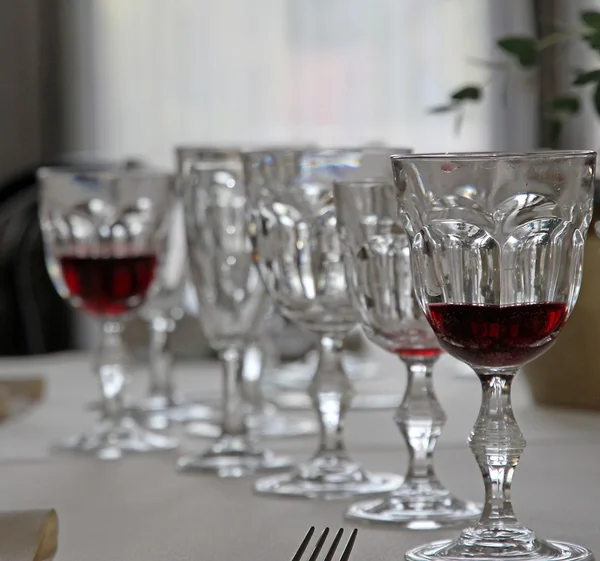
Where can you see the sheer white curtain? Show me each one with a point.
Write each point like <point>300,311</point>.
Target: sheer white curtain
<point>144,75</point>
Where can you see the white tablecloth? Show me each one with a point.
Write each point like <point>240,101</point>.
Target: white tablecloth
<point>139,509</point>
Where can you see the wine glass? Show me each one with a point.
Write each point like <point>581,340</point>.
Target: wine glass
<point>265,419</point>
<point>297,250</point>
<point>377,264</point>
<point>104,231</point>
<point>232,301</point>
<point>497,253</point>
<point>161,311</point>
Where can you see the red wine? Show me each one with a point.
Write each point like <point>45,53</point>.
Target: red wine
<point>108,285</point>
<point>425,353</point>
<point>496,336</point>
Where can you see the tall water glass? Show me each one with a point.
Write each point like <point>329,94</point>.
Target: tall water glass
<point>266,420</point>
<point>232,301</point>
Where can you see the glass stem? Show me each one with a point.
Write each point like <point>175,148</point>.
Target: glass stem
<point>110,365</point>
<point>331,393</point>
<point>161,376</point>
<point>252,374</point>
<point>497,443</point>
<point>234,403</point>
<point>420,418</point>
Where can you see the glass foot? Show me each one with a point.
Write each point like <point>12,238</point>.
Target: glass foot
<point>203,429</point>
<point>298,374</point>
<point>361,402</point>
<point>329,479</point>
<point>158,413</point>
<point>110,439</point>
<point>416,510</point>
<point>501,546</point>
<point>233,457</point>
<point>275,425</point>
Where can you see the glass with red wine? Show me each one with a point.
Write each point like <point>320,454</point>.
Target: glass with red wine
<point>496,246</point>
<point>104,230</point>
<point>377,264</point>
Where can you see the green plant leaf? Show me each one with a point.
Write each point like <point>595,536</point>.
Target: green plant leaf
<point>472,93</point>
<point>442,109</point>
<point>593,40</point>
<point>568,104</point>
<point>597,99</point>
<point>589,77</point>
<point>554,128</point>
<point>591,18</point>
<point>459,117</point>
<point>523,48</point>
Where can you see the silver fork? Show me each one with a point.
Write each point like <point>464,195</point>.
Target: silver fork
<point>321,542</point>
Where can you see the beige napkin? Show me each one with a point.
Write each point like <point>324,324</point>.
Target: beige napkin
<point>18,394</point>
<point>29,535</point>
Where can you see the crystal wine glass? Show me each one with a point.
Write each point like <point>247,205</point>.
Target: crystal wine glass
<point>104,231</point>
<point>162,309</point>
<point>377,264</point>
<point>233,304</point>
<point>298,254</point>
<point>265,418</point>
<point>497,252</point>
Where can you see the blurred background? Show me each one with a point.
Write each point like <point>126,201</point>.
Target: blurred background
<point>105,79</point>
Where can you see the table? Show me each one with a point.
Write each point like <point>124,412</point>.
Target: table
<point>139,509</point>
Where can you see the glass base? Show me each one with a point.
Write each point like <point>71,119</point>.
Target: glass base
<point>158,413</point>
<point>297,375</point>
<point>275,425</point>
<point>502,547</point>
<point>110,439</point>
<point>279,425</point>
<point>300,401</point>
<point>233,456</point>
<point>416,511</point>
<point>329,479</point>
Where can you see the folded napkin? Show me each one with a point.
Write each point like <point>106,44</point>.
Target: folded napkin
<point>18,394</point>
<point>29,535</point>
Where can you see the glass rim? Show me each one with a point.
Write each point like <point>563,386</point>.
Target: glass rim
<point>101,172</point>
<point>366,182</point>
<point>317,151</point>
<point>223,151</point>
<point>494,156</point>
<point>237,150</point>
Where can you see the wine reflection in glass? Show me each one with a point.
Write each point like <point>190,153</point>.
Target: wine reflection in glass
<point>103,232</point>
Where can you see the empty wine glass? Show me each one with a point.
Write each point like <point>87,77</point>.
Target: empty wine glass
<point>297,250</point>
<point>497,252</point>
<point>162,309</point>
<point>265,418</point>
<point>104,232</point>
<point>232,301</point>
<point>377,263</point>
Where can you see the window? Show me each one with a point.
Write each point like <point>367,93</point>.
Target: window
<point>145,75</point>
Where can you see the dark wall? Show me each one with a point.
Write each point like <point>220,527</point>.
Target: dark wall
<point>20,81</point>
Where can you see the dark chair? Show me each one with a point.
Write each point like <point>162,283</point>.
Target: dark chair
<point>33,317</point>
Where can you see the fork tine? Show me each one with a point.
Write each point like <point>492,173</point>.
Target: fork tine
<point>319,545</point>
<point>334,545</point>
<point>304,544</point>
<point>346,553</point>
